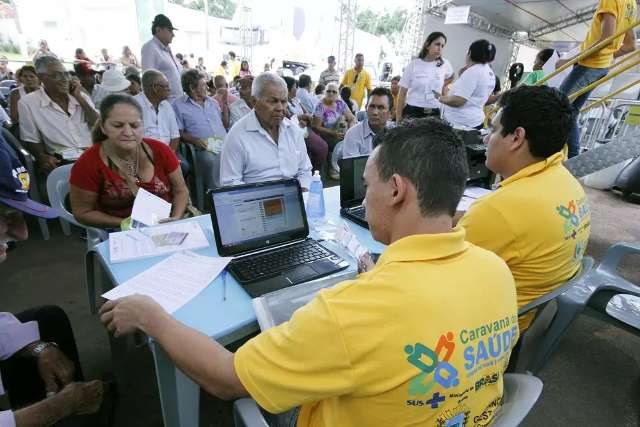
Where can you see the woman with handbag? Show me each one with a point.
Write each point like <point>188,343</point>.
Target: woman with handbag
<point>106,178</point>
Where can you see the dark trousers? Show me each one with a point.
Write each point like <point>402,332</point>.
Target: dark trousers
<point>317,149</point>
<point>20,376</point>
<point>419,112</point>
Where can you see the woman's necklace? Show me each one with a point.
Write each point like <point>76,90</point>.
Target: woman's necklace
<point>131,167</point>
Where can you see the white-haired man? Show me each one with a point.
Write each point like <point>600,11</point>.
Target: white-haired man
<point>264,145</point>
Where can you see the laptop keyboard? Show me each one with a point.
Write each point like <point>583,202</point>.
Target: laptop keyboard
<point>272,263</point>
<point>358,212</point>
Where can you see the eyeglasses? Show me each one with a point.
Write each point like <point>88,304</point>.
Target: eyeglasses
<point>331,91</point>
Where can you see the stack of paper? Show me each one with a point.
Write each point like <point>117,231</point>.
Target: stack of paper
<point>149,209</point>
<point>174,281</point>
<point>471,194</point>
<point>153,241</point>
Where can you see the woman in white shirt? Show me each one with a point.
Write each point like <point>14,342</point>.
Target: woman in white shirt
<point>463,107</point>
<point>426,74</point>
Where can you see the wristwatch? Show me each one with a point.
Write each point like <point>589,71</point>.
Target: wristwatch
<point>35,352</point>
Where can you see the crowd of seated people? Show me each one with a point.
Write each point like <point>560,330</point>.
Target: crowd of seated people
<point>123,131</point>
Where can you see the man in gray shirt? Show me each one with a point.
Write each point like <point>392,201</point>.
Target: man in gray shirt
<point>330,75</point>
<point>358,140</point>
<point>156,54</point>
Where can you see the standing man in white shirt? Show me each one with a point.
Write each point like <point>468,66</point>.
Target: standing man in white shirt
<point>264,145</point>
<point>358,141</point>
<point>157,54</point>
<point>56,119</point>
<point>160,121</point>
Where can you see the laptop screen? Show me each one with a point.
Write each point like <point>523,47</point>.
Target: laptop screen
<point>255,216</point>
<point>352,189</point>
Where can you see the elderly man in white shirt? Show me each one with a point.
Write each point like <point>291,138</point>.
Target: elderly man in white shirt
<point>159,118</point>
<point>157,54</point>
<point>56,119</point>
<point>264,145</point>
<point>358,140</point>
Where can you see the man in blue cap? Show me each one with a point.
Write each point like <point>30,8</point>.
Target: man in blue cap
<point>38,356</point>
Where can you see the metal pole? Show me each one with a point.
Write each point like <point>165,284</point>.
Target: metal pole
<point>595,48</point>
<point>206,24</point>
<point>611,95</point>
<point>603,80</point>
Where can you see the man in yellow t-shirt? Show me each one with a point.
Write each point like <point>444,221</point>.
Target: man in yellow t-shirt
<point>358,80</point>
<point>610,17</point>
<point>234,65</point>
<point>421,339</point>
<point>538,220</point>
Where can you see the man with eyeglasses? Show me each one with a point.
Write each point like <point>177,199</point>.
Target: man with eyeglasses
<point>157,54</point>
<point>358,79</point>
<point>56,119</point>
<point>358,141</point>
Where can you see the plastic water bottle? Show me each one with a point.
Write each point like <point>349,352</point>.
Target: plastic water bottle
<point>315,201</point>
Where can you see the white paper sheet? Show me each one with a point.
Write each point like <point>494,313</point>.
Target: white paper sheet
<point>476,192</point>
<point>137,244</point>
<point>174,281</point>
<point>550,66</point>
<point>149,209</point>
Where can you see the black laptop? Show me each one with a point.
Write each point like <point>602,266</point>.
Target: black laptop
<point>352,189</point>
<point>264,227</point>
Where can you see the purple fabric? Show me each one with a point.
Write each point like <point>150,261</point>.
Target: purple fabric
<point>15,335</point>
<point>328,116</point>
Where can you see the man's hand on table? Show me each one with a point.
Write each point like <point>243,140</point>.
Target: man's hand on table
<point>125,315</point>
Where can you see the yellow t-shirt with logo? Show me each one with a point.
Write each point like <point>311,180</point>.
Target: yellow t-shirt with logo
<point>358,82</point>
<point>625,13</point>
<point>422,339</point>
<point>538,222</point>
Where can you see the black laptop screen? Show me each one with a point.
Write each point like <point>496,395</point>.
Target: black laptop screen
<point>352,189</point>
<point>256,216</point>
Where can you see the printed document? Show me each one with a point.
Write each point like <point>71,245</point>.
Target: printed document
<point>153,241</point>
<point>174,281</point>
<point>149,209</point>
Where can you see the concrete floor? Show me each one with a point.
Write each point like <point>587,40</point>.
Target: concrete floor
<point>592,380</point>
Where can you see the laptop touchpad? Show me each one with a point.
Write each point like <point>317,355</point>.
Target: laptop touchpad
<point>300,274</point>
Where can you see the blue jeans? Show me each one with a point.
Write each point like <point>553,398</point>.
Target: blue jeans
<point>579,77</point>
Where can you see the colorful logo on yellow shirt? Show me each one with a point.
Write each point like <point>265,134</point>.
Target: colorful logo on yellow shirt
<point>577,221</point>
<point>486,346</point>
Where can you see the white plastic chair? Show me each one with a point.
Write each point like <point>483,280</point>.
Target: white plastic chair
<point>58,189</point>
<point>336,156</point>
<point>521,392</point>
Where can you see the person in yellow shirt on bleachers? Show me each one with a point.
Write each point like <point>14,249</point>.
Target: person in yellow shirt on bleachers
<point>358,80</point>
<point>610,17</point>
<point>538,220</point>
<point>422,339</point>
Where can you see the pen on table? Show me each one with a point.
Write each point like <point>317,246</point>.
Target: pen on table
<point>224,285</point>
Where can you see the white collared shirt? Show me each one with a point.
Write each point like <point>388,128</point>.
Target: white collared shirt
<point>160,125</point>
<point>238,110</point>
<point>44,121</point>
<point>358,140</point>
<point>159,57</point>
<point>249,154</point>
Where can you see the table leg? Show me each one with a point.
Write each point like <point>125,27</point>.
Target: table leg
<point>179,395</point>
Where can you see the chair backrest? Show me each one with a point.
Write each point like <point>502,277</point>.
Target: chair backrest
<point>521,392</point>
<point>58,189</point>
